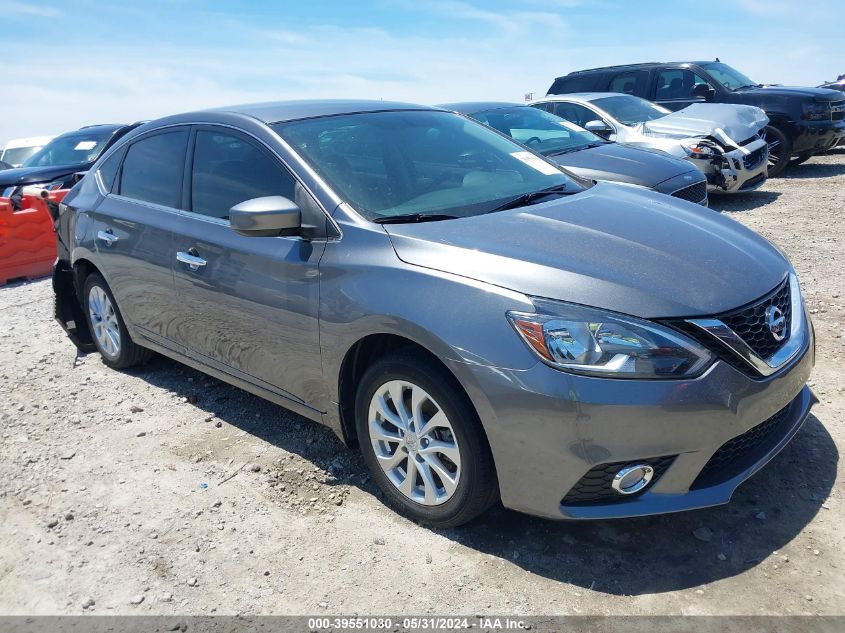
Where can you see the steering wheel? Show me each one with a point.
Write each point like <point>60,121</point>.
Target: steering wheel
<point>534,140</point>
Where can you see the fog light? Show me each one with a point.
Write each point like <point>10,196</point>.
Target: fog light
<point>632,478</point>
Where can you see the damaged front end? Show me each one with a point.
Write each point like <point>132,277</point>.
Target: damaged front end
<point>708,135</point>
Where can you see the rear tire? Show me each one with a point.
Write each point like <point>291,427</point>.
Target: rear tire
<point>108,329</point>
<point>434,463</point>
<point>780,150</point>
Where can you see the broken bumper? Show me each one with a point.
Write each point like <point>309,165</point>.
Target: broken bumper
<point>742,169</point>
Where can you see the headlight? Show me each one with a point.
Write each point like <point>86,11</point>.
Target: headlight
<point>816,111</point>
<point>699,149</point>
<point>598,343</point>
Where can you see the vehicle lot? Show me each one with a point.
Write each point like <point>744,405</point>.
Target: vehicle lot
<point>102,493</point>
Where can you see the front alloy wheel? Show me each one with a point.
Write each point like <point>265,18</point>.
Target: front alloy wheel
<point>422,440</point>
<point>414,442</point>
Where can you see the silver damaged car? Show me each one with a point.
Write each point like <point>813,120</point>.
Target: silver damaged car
<point>480,323</point>
<point>725,141</point>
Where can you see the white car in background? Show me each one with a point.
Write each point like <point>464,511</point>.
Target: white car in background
<point>725,141</point>
<point>18,150</point>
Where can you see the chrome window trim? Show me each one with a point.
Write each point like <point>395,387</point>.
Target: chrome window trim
<point>795,343</point>
<point>276,154</point>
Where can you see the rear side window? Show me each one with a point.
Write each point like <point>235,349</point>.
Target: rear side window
<point>108,170</point>
<point>153,168</point>
<point>228,170</point>
<point>630,83</point>
<point>579,83</point>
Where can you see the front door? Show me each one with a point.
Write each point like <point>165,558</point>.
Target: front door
<point>246,305</point>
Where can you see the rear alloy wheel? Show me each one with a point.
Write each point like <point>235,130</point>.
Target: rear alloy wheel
<point>107,328</point>
<point>780,150</point>
<point>423,443</point>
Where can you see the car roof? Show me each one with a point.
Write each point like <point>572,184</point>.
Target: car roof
<point>280,111</point>
<point>640,66</point>
<point>474,107</point>
<point>583,96</point>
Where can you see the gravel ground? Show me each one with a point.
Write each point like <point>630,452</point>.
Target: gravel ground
<point>163,491</point>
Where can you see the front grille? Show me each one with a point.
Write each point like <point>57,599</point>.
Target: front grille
<point>737,454</point>
<point>837,111</point>
<point>754,158</point>
<point>594,487</point>
<point>750,323</point>
<point>693,193</point>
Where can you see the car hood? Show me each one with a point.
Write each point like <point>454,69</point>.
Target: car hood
<point>619,163</point>
<point>736,122</point>
<point>33,175</point>
<point>817,94</point>
<point>624,249</point>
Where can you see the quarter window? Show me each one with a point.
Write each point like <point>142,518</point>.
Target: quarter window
<point>152,171</point>
<point>228,170</point>
<point>108,170</point>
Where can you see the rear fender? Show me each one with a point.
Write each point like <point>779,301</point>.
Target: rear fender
<point>68,310</point>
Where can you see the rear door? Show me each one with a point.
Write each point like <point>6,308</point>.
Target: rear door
<point>246,305</point>
<point>132,228</point>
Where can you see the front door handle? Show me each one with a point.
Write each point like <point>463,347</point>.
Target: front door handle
<point>193,260</point>
<point>107,236</point>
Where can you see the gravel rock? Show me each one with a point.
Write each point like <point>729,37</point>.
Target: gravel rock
<point>703,534</point>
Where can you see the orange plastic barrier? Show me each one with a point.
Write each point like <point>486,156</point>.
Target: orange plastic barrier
<point>27,237</point>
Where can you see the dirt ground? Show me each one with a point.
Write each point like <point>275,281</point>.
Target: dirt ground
<point>163,491</point>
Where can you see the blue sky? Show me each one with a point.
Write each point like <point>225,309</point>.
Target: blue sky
<point>78,62</point>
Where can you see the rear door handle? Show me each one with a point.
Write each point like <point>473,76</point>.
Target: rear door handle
<point>107,236</point>
<point>193,261</point>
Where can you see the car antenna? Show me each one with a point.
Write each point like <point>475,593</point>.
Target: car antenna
<point>718,60</point>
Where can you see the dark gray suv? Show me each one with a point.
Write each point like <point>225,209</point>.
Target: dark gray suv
<point>481,323</point>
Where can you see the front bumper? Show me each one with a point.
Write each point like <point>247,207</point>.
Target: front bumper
<point>547,429</point>
<point>740,170</point>
<point>813,137</point>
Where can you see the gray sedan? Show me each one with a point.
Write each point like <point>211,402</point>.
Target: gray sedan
<point>481,324</point>
<point>586,154</point>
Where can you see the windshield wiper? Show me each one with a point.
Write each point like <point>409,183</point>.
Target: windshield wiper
<point>411,218</point>
<point>529,198</point>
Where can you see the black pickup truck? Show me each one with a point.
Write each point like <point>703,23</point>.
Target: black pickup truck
<point>803,121</point>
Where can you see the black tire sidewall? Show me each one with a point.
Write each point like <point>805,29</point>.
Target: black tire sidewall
<point>786,144</point>
<point>476,463</point>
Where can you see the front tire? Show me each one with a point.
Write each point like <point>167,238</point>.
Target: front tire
<point>780,150</point>
<point>423,442</point>
<point>108,328</point>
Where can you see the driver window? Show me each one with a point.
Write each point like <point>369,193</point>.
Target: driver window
<point>677,83</point>
<point>228,170</point>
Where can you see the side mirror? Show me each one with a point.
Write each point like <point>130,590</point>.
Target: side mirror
<point>266,217</point>
<point>703,91</point>
<point>599,127</point>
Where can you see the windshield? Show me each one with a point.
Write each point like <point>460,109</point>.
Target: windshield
<point>543,132</point>
<point>729,77</point>
<point>71,149</point>
<point>18,155</point>
<point>422,162</point>
<point>630,110</point>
